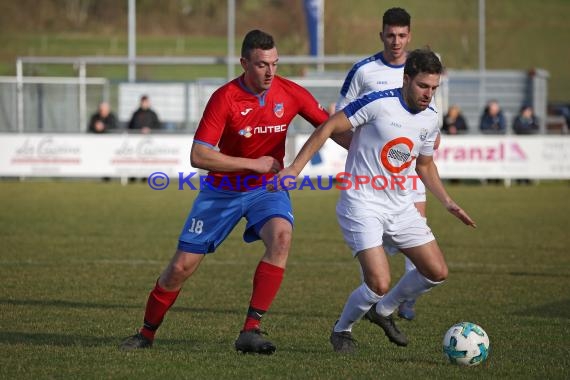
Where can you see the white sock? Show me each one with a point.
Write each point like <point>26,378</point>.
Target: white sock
<point>411,286</point>
<point>409,265</point>
<point>358,304</point>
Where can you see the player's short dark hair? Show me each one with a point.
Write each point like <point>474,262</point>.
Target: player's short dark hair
<point>256,39</point>
<point>396,17</point>
<point>422,61</point>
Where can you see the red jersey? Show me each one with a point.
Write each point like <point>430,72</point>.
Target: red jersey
<point>243,124</point>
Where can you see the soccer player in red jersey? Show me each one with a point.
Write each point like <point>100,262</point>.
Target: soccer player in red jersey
<point>247,120</point>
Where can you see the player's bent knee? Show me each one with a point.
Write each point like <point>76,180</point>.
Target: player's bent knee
<point>176,274</point>
<point>438,275</point>
<point>281,241</point>
<point>379,287</point>
<point>381,290</point>
<point>177,269</point>
<point>443,272</point>
<point>170,281</point>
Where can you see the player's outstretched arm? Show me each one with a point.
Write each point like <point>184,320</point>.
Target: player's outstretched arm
<point>204,157</point>
<point>336,124</point>
<point>427,170</point>
<point>344,138</point>
<point>459,213</point>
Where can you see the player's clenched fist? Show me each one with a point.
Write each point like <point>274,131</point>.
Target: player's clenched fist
<point>266,164</point>
<point>285,179</point>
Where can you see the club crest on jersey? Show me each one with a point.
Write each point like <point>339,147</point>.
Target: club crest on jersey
<point>278,109</point>
<point>246,132</point>
<point>423,134</point>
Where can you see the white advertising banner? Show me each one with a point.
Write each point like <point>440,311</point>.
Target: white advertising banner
<point>328,161</point>
<point>80,155</point>
<point>477,157</point>
<point>59,155</point>
<point>536,157</point>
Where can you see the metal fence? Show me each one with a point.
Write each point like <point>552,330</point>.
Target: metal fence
<point>49,104</point>
<point>471,90</point>
<point>64,105</point>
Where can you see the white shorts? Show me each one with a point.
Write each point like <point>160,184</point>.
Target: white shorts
<point>364,228</point>
<point>419,194</point>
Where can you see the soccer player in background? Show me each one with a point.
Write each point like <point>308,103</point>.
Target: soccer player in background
<point>392,129</point>
<point>384,71</point>
<point>247,120</point>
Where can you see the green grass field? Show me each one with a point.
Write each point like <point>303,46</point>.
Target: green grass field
<point>79,258</point>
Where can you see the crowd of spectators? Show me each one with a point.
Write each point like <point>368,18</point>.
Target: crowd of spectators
<point>491,121</point>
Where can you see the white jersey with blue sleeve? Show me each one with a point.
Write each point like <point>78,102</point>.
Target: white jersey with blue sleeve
<point>387,140</point>
<point>375,74</point>
<point>370,74</point>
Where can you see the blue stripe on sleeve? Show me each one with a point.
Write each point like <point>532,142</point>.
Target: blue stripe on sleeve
<point>204,143</point>
<point>354,69</point>
<point>357,104</point>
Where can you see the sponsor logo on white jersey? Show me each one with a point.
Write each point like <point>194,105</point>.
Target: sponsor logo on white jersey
<point>396,155</point>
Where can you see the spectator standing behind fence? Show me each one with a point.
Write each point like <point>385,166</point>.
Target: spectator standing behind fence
<point>454,123</point>
<point>144,118</point>
<point>526,123</point>
<point>103,120</point>
<point>492,119</point>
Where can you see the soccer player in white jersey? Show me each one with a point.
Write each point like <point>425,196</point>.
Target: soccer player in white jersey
<point>383,71</point>
<point>392,129</point>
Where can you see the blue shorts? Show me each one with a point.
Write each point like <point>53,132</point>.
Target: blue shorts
<point>216,212</point>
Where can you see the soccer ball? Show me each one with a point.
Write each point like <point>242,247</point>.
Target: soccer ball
<point>466,344</point>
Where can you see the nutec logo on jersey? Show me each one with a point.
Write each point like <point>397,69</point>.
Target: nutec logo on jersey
<point>248,131</point>
<point>279,109</point>
<point>246,111</point>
